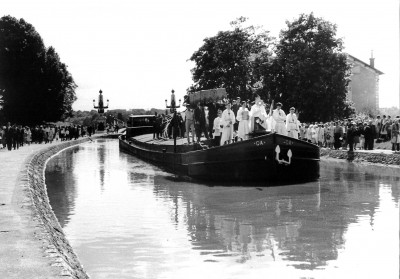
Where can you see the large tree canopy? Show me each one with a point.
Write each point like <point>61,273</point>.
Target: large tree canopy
<point>227,60</point>
<point>36,86</point>
<point>310,71</point>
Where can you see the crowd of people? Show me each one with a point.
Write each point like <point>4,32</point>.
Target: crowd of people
<point>15,136</point>
<point>353,133</point>
<point>234,121</point>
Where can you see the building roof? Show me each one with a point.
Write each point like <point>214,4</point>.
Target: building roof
<point>365,64</point>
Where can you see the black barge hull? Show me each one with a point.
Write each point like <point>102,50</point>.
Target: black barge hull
<point>270,157</point>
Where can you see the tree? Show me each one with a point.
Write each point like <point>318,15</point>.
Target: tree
<point>60,93</point>
<point>227,60</point>
<point>37,86</point>
<point>310,71</point>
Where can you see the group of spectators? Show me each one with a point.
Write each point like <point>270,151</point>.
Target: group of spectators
<point>353,133</point>
<point>14,136</point>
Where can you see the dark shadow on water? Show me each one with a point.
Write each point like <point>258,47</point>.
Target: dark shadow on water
<point>210,183</point>
<point>174,182</point>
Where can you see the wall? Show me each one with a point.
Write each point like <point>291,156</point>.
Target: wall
<point>364,86</point>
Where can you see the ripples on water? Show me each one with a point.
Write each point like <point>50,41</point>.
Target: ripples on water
<point>128,219</point>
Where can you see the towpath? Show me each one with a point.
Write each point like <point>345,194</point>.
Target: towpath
<point>22,254</point>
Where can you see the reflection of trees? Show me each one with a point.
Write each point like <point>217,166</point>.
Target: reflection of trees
<point>302,223</point>
<point>61,188</point>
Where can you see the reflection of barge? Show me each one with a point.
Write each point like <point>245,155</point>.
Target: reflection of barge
<point>268,157</point>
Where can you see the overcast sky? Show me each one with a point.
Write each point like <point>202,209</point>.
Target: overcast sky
<point>137,51</point>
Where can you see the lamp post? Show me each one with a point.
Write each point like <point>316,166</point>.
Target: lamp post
<point>100,108</point>
<point>174,121</point>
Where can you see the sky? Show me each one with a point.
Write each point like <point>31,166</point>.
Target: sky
<point>136,52</point>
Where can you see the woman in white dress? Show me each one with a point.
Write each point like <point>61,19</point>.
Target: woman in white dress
<point>243,117</point>
<point>227,121</point>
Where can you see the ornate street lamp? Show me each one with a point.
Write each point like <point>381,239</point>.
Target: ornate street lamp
<point>174,120</point>
<point>100,108</point>
<point>173,106</point>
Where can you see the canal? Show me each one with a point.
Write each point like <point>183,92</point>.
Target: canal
<point>126,218</point>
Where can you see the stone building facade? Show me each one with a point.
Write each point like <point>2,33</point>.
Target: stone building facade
<point>363,89</point>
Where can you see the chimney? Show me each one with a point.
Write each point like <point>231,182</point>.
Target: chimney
<point>372,60</point>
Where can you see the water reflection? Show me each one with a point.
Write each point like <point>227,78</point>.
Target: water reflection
<point>60,176</point>
<point>247,223</point>
<point>145,223</point>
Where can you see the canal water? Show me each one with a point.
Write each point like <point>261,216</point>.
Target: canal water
<point>126,218</point>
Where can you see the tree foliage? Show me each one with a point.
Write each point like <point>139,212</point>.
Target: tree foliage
<point>306,68</point>
<point>310,71</point>
<point>36,85</point>
<point>227,60</point>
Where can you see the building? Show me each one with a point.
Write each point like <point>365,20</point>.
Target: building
<point>363,89</point>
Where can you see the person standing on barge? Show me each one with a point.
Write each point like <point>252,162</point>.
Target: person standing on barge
<point>279,116</point>
<point>243,118</point>
<point>227,121</point>
<point>292,126</point>
<point>217,130</point>
<point>200,122</point>
<point>258,115</point>
<point>189,123</point>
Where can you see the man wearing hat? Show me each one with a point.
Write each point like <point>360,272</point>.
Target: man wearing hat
<point>292,126</point>
<point>280,117</point>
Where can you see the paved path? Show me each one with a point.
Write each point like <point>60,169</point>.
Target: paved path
<point>22,254</point>
<point>22,249</point>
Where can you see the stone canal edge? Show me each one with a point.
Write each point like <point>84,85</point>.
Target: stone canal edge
<point>55,244</point>
<point>57,253</point>
<point>376,157</point>
<point>61,259</point>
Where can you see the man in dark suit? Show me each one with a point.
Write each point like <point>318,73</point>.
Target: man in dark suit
<point>212,114</point>
<point>200,122</point>
<point>369,134</point>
